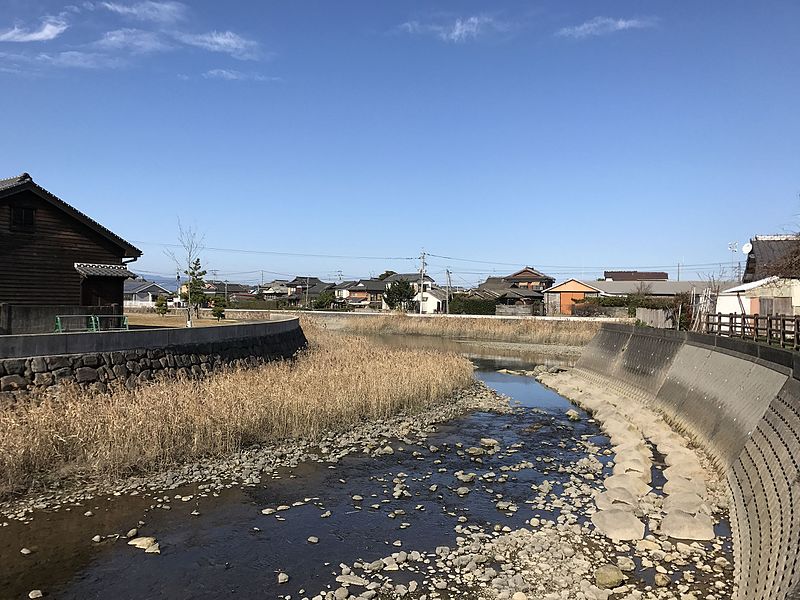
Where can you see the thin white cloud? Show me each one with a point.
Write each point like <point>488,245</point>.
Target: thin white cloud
<point>227,42</point>
<point>604,26</point>
<point>149,10</point>
<point>461,30</point>
<point>135,41</point>
<point>74,59</point>
<point>233,75</point>
<point>51,28</point>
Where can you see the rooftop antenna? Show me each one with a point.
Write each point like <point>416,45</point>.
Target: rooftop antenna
<point>734,248</point>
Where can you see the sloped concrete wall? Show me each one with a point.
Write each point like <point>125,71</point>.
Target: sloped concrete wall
<point>741,402</point>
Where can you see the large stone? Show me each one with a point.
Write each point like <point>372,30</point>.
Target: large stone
<point>11,383</point>
<point>85,374</point>
<point>618,524</point>
<point>632,483</point>
<point>616,498</point>
<point>686,501</point>
<point>14,366</point>
<point>678,485</point>
<point>39,364</point>
<point>608,577</point>
<point>58,362</point>
<point>684,526</point>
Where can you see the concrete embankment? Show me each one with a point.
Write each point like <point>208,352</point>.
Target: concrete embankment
<point>738,401</point>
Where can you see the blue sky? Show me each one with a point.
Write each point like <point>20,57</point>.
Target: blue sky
<point>570,136</point>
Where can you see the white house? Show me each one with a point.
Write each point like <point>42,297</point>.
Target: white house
<point>139,292</point>
<point>432,301</point>
<point>413,278</point>
<point>767,297</point>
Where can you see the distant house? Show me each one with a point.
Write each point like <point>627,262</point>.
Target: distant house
<point>431,301</point>
<point>560,299</point>
<point>769,251</point>
<point>275,290</point>
<point>770,296</point>
<point>140,292</point>
<point>226,289</point>
<point>299,285</point>
<point>522,289</point>
<point>366,294</point>
<point>412,278</point>
<point>635,276</point>
<point>53,254</point>
<point>342,291</point>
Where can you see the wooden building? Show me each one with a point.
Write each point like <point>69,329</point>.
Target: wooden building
<point>53,254</point>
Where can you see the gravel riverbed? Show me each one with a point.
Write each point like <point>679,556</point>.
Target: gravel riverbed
<point>487,495</point>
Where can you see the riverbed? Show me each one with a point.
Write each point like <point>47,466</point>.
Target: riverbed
<point>297,530</point>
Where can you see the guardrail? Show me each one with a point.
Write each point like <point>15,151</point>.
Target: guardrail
<point>90,323</point>
<point>780,330</point>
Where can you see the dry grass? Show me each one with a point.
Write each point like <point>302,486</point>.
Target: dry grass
<point>337,381</point>
<point>172,320</point>
<point>530,331</point>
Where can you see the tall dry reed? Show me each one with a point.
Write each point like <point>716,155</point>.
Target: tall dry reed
<point>335,382</point>
<point>530,331</point>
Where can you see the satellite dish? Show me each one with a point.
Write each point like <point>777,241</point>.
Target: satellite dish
<point>747,248</point>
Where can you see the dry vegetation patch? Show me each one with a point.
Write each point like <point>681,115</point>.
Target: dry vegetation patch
<point>337,381</point>
<point>531,331</point>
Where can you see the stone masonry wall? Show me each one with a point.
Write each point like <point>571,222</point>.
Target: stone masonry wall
<point>132,367</point>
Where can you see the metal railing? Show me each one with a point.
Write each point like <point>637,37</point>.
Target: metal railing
<point>90,323</point>
<point>779,330</point>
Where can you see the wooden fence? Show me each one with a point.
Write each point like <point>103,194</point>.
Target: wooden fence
<point>783,331</point>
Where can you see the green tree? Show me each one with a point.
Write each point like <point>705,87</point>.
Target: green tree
<point>218,308</point>
<point>195,288</point>
<point>399,294</point>
<point>325,300</point>
<point>161,306</point>
<point>386,274</point>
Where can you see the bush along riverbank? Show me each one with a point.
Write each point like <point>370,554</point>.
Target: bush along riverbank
<point>531,331</point>
<point>337,382</point>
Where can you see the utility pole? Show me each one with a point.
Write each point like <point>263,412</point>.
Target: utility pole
<point>679,271</point>
<point>422,282</point>
<point>226,291</point>
<point>449,284</point>
<point>306,292</point>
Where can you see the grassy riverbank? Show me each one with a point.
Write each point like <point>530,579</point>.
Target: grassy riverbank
<point>530,331</point>
<point>337,381</point>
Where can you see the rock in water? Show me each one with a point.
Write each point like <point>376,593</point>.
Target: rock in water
<point>142,543</point>
<point>682,525</point>
<point>35,594</point>
<point>608,577</point>
<point>283,578</point>
<point>618,524</point>
<point>573,415</point>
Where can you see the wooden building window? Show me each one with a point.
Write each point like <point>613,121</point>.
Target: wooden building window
<point>23,218</point>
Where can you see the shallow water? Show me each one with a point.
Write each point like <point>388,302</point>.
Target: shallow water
<point>232,548</point>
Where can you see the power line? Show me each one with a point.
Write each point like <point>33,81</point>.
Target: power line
<point>277,253</point>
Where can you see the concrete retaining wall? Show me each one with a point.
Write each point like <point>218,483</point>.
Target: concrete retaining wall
<point>741,402</point>
<point>28,362</point>
<point>17,319</point>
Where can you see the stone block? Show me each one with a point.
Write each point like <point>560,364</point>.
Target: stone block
<point>11,383</point>
<point>63,374</point>
<point>39,364</point>
<point>120,370</point>
<point>86,374</point>
<point>43,379</point>
<point>91,360</point>
<point>14,366</point>
<point>58,362</point>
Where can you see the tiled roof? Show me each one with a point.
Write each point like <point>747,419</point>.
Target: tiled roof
<point>97,270</point>
<point>26,181</point>
<point>770,251</point>
<point>410,277</point>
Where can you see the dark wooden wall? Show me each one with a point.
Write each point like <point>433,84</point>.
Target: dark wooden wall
<point>38,267</point>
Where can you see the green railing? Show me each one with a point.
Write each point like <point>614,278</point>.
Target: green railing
<point>90,323</point>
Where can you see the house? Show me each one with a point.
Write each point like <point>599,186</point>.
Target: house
<point>635,276</point>
<point>366,294</point>
<point>771,253</point>
<point>432,301</point>
<point>140,292</point>
<point>522,289</point>
<point>560,299</point>
<point>274,290</point>
<point>226,289</point>
<point>342,291</point>
<point>299,285</point>
<point>412,278</point>
<point>55,256</point>
<point>770,296</point>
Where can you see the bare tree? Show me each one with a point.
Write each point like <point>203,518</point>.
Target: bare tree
<point>186,254</point>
